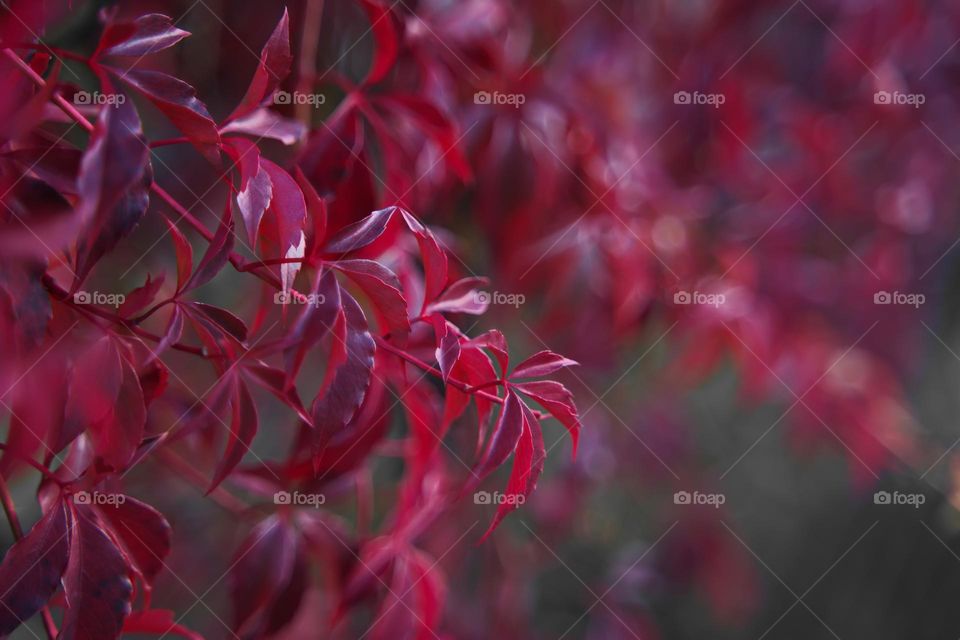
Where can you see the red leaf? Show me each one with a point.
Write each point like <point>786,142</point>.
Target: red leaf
<point>113,181</point>
<point>275,59</point>
<point>362,233</point>
<point>344,392</point>
<point>263,568</point>
<point>289,211</point>
<point>145,35</point>
<point>178,101</point>
<point>313,322</point>
<point>519,474</point>
<point>222,319</point>
<point>256,189</point>
<point>31,569</point>
<point>504,439</point>
<point>462,296</point>
<point>264,123</point>
<point>496,343</point>
<point>184,253</point>
<point>243,427</point>
<point>558,400</point>
<point>95,382</point>
<point>144,532</point>
<point>117,435</point>
<point>542,364</point>
<point>434,260</point>
<point>317,209</point>
<point>97,582</point>
<point>383,288</point>
<point>387,40</point>
<point>57,166</point>
<point>438,127</point>
<point>139,298</point>
<point>217,254</point>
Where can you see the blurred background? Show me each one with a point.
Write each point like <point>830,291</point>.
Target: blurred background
<point>739,216</point>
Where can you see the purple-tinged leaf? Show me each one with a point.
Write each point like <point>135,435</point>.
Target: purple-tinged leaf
<point>97,582</point>
<point>362,233</point>
<point>289,215</point>
<point>113,183</point>
<point>184,252</point>
<point>243,428</point>
<point>505,437</point>
<point>275,60</point>
<point>178,101</point>
<point>343,391</point>
<point>264,123</point>
<point>262,570</point>
<point>144,533</point>
<point>31,569</point>
<point>558,400</point>
<point>382,287</point>
<point>542,364</point>
<point>145,35</point>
